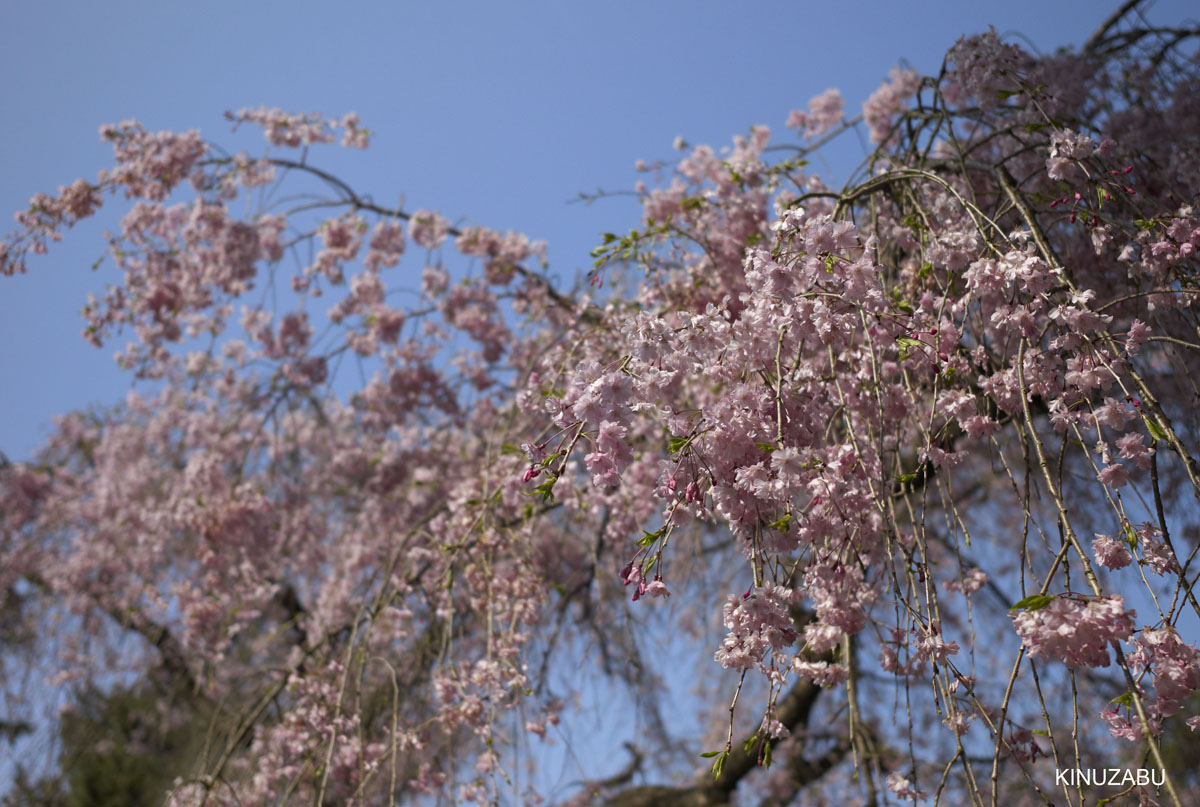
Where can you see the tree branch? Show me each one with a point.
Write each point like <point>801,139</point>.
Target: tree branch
<point>1094,41</point>
<point>793,712</point>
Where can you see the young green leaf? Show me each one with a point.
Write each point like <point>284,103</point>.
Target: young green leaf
<point>1034,602</point>
<point>1156,431</point>
<point>719,765</point>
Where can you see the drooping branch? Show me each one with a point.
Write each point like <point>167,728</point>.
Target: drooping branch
<point>357,202</point>
<point>173,662</point>
<point>1097,38</point>
<point>793,712</point>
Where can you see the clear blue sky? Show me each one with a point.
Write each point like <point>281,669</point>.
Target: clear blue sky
<point>499,112</point>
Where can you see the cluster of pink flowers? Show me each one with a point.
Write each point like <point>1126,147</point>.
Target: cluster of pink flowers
<point>386,245</point>
<point>151,164</point>
<point>880,109</point>
<point>903,787</point>
<point>758,622</point>
<point>354,135</point>
<point>1067,149</point>
<point>983,69</point>
<point>286,129</point>
<point>971,582</point>
<point>821,673</point>
<point>1111,553</point>
<point>826,398</point>
<point>1124,725</point>
<point>428,230</point>
<point>824,112</point>
<point>501,254</point>
<point>1175,667</point>
<point>1158,557</point>
<point>1075,631</point>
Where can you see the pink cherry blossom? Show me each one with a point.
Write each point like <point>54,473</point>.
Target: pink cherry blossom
<point>1111,553</point>
<point>1075,632</point>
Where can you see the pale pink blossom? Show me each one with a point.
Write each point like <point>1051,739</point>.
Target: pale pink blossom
<point>1111,552</point>
<point>903,787</point>
<point>824,112</point>
<point>1075,632</point>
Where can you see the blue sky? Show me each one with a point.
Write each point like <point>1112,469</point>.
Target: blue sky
<point>493,112</point>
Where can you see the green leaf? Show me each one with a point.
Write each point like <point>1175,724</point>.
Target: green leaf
<point>676,444</point>
<point>650,537</point>
<point>1041,732</point>
<point>1034,602</point>
<point>767,447</point>
<point>907,342</point>
<point>905,306</point>
<point>904,479</point>
<point>719,765</point>
<point>710,754</point>
<point>1156,431</point>
<point>781,524</point>
<point>1126,699</point>
<point>545,490</point>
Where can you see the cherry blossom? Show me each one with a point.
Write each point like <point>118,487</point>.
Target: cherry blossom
<point>363,509</point>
